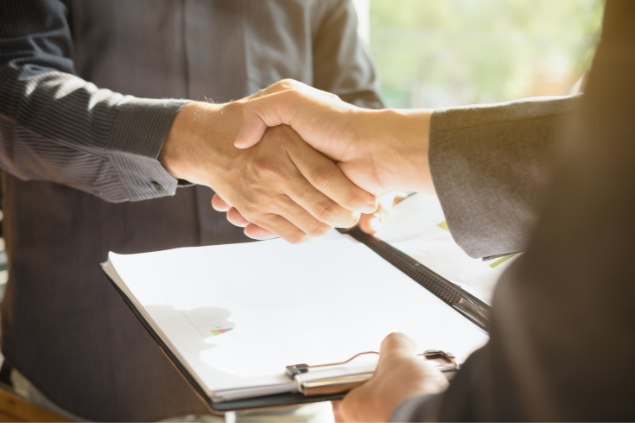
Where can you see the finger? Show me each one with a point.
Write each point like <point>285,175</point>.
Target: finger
<point>302,203</point>
<point>396,345</point>
<point>300,217</point>
<point>367,224</point>
<point>319,206</point>
<point>329,179</point>
<point>281,108</point>
<point>256,232</point>
<point>282,85</point>
<point>219,204</point>
<point>291,214</point>
<point>236,218</point>
<point>262,112</point>
<point>319,119</point>
<point>375,223</point>
<point>272,89</point>
<point>277,225</point>
<point>371,223</point>
<point>337,411</point>
<point>291,84</point>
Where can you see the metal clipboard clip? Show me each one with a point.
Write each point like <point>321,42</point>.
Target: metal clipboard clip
<point>312,383</point>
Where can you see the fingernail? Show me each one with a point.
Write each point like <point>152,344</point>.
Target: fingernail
<point>370,207</point>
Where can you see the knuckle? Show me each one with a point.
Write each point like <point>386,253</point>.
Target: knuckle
<point>350,220</point>
<point>321,230</point>
<point>249,212</point>
<point>327,212</point>
<point>289,83</point>
<point>317,229</point>
<point>258,221</point>
<point>355,199</point>
<point>267,170</point>
<point>298,237</point>
<point>322,177</point>
<point>286,83</point>
<point>262,197</point>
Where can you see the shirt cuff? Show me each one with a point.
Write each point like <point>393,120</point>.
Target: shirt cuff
<point>134,144</point>
<point>424,408</point>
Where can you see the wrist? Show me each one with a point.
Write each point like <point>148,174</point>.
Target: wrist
<point>176,147</point>
<point>193,129</point>
<point>397,140</point>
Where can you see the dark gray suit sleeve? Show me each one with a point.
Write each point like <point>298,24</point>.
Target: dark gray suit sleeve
<point>488,164</point>
<point>424,408</point>
<point>57,127</point>
<point>341,61</point>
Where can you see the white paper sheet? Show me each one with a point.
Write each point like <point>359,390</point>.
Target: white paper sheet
<point>415,226</point>
<point>315,303</point>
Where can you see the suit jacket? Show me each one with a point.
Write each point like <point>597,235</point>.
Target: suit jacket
<point>563,325</point>
<point>87,91</point>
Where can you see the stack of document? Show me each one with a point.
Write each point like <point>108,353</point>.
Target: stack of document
<point>234,316</point>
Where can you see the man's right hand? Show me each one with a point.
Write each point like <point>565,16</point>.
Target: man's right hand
<point>380,150</point>
<point>281,187</point>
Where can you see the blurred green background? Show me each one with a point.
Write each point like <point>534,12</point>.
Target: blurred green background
<point>437,53</point>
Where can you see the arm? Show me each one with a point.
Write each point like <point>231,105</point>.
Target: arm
<point>341,66</point>
<point>489,163</point>
<point>57,127</point>
<point>568,300</point>
<point>486,163</point>
<point>570,295</point>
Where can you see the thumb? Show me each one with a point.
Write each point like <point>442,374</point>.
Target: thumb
<point>263,112</point>
<point>395,346</point>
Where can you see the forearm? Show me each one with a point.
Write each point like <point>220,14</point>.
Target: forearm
<point>396,142</point>
<point>207,125</point>
<point>489,163</point>
<point>571,291</point>
<point>486,163</point>
<point>57,127</point>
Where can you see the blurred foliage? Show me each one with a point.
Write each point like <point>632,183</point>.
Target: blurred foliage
<point>433,53</point>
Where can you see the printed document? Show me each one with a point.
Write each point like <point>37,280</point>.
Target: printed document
<point>236,315</point>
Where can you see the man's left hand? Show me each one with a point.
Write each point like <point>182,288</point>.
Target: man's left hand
<point>400,375</point>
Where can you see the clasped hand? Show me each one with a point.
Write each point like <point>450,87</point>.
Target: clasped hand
<point>378,150</point>
<point>281,187</point>
<point>305,162</point>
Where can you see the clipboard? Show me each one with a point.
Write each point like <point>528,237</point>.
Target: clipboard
<point>460,300</point>
<point>310,384</point>
<point>471,307</point>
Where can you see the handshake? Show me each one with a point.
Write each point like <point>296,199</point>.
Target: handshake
<point>293,161</point>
